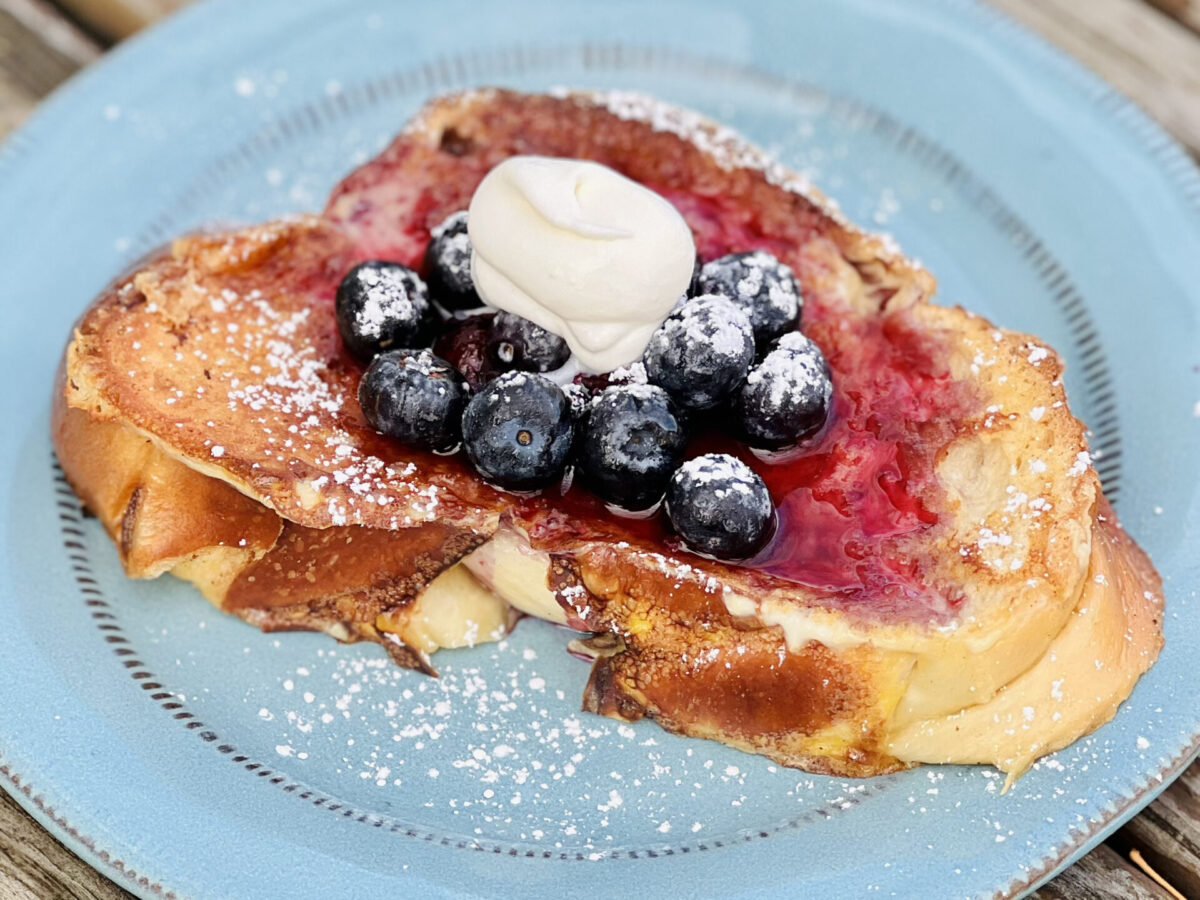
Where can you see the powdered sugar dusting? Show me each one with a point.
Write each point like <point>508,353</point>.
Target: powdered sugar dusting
<point>761,267</point>
<point>723,474</point>
<point>453,222</point>
<point>385,299</point>
<point>634,373</point>
<point>456,247</point>
<point>793,367</point>
<point>718,467</point>
<point>503,747</point>
<point>639,391</point>
<point>253,379</point>
<point>706,332</point>
<point>728,148</point>
<point>1083,461</point>
<point>728,334</point>
<point>481,754</point>
<point>496,753</point>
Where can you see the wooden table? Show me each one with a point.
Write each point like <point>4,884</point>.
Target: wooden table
<point>1149,50</point>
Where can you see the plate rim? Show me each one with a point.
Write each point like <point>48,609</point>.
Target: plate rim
<point>1172,162</point>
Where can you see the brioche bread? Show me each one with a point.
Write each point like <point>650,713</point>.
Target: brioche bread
<point>947,585</point>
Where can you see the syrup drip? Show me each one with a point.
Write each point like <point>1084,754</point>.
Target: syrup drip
<point>856,505</point>
<point>857,502</point>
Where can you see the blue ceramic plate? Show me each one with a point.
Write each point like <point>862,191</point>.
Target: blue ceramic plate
<point>184,754</point>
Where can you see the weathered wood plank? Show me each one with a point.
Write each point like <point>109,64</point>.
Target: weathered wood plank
<point>1186,11</point>
<point>1191,17</point>
<point>1176,8</point>
<point>1168,833</point>
<point>34,866</point>
<point>117,19</point>
<point>1101,875</point>
<point>15,104</point>
<point>1135,857</point>
<point>1152,58</point>
<point>39,35</point>
<point>38,51</point>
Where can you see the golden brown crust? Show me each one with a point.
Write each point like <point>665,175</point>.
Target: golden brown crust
<point>309,564</point>
<point>224,352</point>
<point>166,517</point>
<point>260,396</point>
<point>705,676</point>
<point>672,149</point>
<point>1114,634</point>
<point>158,510</point>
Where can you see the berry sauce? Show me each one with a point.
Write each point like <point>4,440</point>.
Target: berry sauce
<point>847,502</point>
<point>856,501</point>
<point>857,504</point>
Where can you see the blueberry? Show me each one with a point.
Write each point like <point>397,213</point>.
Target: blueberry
<point>381,305</point>
<point>786,397</point>
<point>763,286</point>
<point>416,397</point>
<point>448,265</point>
<point>518,343</point>
<point>720,507</point>
<point>702,352</point>
<point>580,398</point>
<point>633,438</point>
<point>464,344</point>
<point>518,432</point>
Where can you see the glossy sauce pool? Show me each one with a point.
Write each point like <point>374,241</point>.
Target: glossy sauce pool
<point>857,503</point>
<point>851,501</point>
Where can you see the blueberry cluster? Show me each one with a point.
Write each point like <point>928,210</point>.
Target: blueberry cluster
<point>444,372</point>
<point>734,349</point>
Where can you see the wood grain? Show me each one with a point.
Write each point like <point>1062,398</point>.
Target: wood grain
<point>1101,875</point>
<point>42,47</point>
<point>1186,11</point>
<point>1151,57</point>
<point>116,19</point>
<point>35,866</point>
<point>38,51</point>
<point>1168,833</point>
<point>1176,8</point>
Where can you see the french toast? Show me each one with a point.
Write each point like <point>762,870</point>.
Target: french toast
<point>946,584</point>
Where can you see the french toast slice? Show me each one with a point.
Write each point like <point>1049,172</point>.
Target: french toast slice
<point>944,555</point>
<point>403,590</point>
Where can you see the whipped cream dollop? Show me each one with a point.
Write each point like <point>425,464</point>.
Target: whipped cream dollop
<point>582,251</point>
